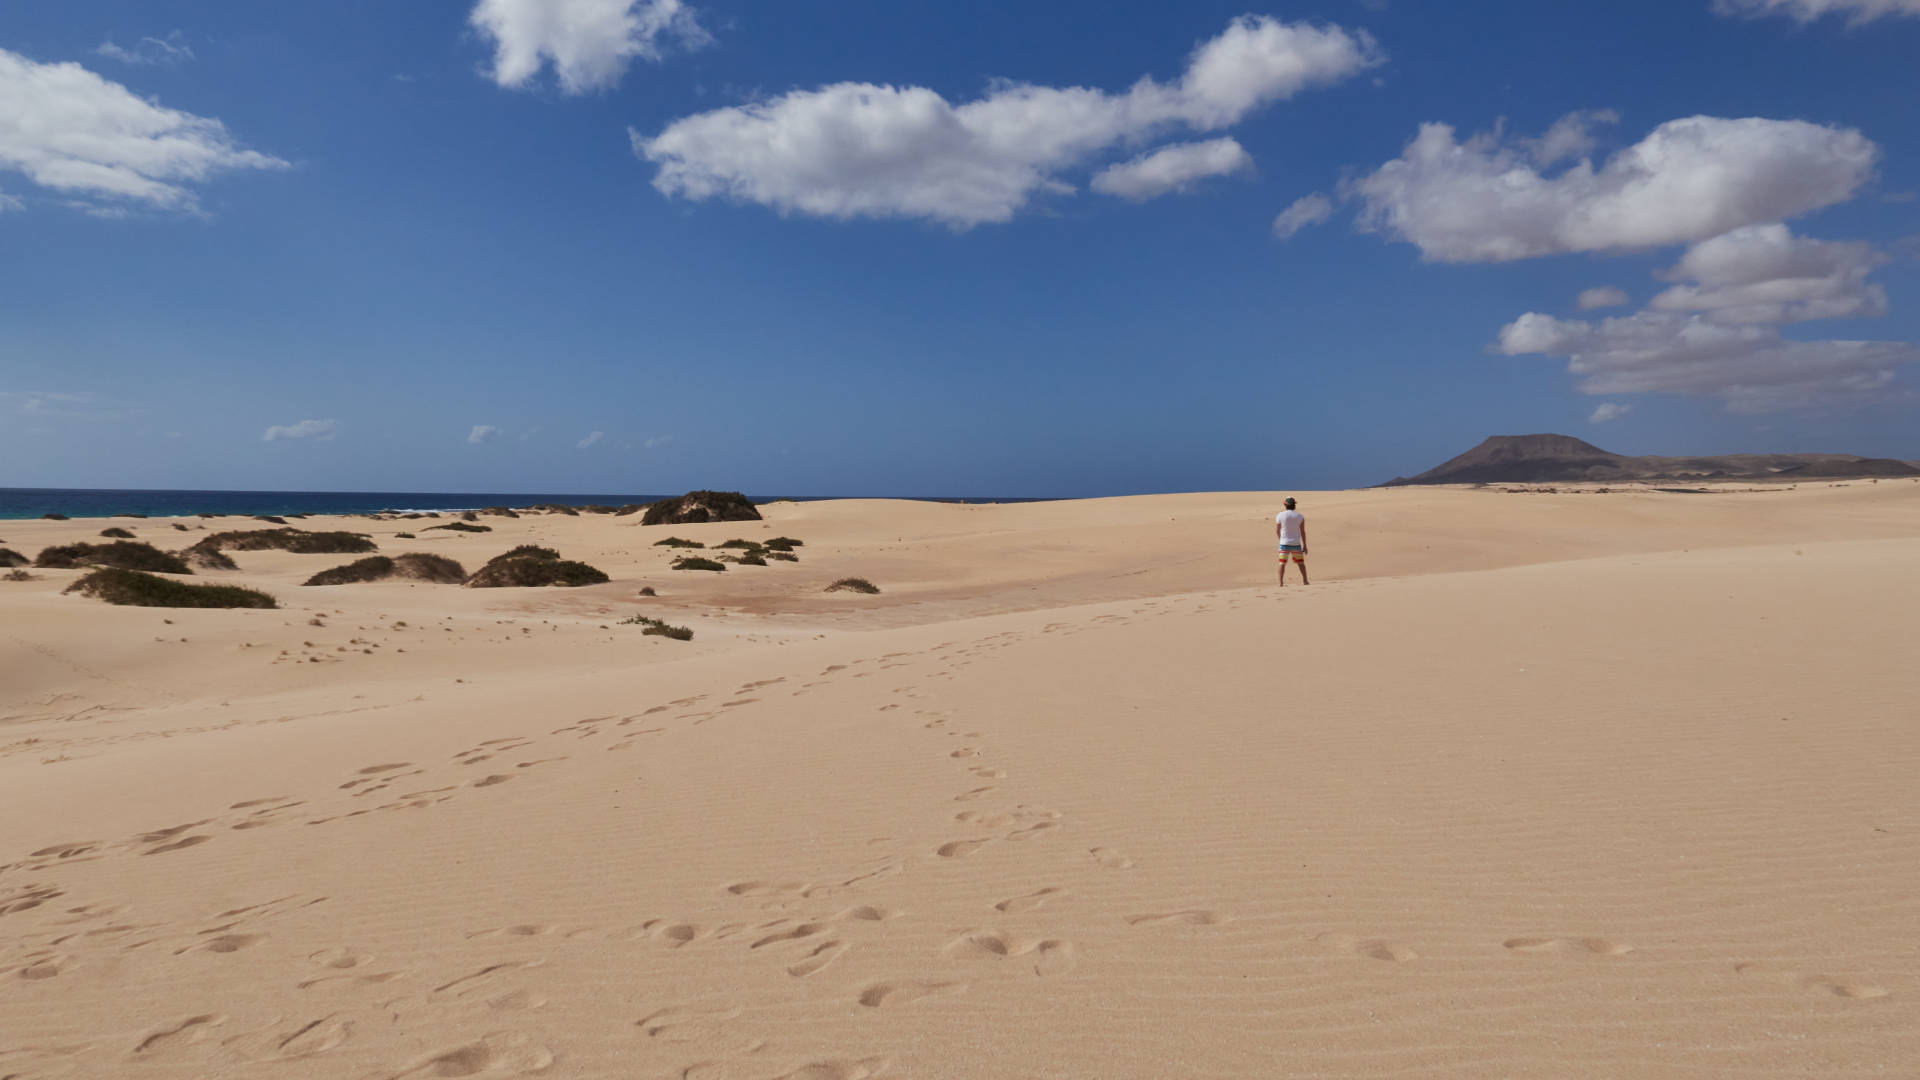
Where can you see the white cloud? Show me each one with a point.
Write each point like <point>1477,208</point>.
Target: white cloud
<point>590,440</point>
<point>1308,210</point>
<point>166,52</point>
<point>1172,168</point>
<point>10,202</point>
<point>589,42</point>
<point>1608,411</point>
<point>482,433</point>
<point>1488,200</point>
<point>852,150</point>
<point>305,429</point>
<point>1857,11</point>
<point>1765,274</point>
<point>1604,296</point>
<point>68,129</point>
<point>653,441</point>
<point>1751,367</point>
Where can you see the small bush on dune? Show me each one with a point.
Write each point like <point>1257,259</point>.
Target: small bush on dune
<point>657,628</point>
<point>554,508</point>
<point>123,554</point>
<point>647,590</point>
<point>270,518</point>
<point>20,575</point>
<point>403,536</point>
<point>853,584</point>
<point>694,562</point>
<point>371,568</point>
<point>53,517</point>
<point>745,545</point>
<point>459,526</point>
<point>181,527</point>
<point>116,533</point>
<point>117,586</point>
<point>10,557</point>
<point>528,551</point>
<point>751,558</point>
<point>298,541</point>
<point>499,511</point>
<point>676,542</point>
<point>208,559</point>
<point>699,506</point>
<point>783,543</point>
<point>783,556</point>
<point>528,566</point>
<point>140,516</point>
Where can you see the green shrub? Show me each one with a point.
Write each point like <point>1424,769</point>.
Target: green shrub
<point>298,541</point>
<point>657,628</point>
<point>694,562</point>
<point>751,558</point>
<point>528,551</point>
<point>745,545</point>
<point>676,542</point>
<point>10,557</point>
<point>116,533</point>
<point>783,543</point>
<point>207,559</point>
<point>437,569</point>
<point>853,584</point>
<point>460,526</point>
<point>535,571</point>
<point>701,506</point>
<point>117,586</point>
<point>371,568</point>
<point>783,556</point>
<point>122,554</point>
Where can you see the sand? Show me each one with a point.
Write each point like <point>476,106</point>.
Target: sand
<point>1525,785</point>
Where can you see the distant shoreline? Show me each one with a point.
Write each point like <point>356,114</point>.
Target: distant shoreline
<point>29,503</point>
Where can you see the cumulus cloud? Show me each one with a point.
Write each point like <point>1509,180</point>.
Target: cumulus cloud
<point>305,429</point>
<point>1765,274</point>
<point>853,150</point>
<point>1172,168</point>
<point>1492,198</point>
<point>1604,296</point>
<point>1608,411</point>
<point>165,52</point>
<point>1806,11</point>
<point>70,130</point>
<point>590,43</point>
<point>591,438</point>
<point>482,433</point>
<point>1308,210</point>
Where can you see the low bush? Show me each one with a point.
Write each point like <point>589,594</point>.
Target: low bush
<point>208,559</point>
<point>694,562</point>
<point>499,511</point>
<point>140,516</point>
<point>460,526</point>
<point>116,533</point>
<point>657,628</point>
<point>853,584</point>
<point>699,506</point>
<point>403,536</point>
<point>270,518</point>
<point>20,575</point>
<point>181,527</point>
<point>122,554</point>
<point>298,541</point>
<point>371,568</point>
<point>676,542</point>
<point>10,557</point>
<point>117,586</point>
<point>783,543</point>
<point>744,545</point>
<point>537,568</point>
<point>53,517</point>
<point>647,590</point>
<point>783,556</point>
<point>751,558</point>
<point>555,508</point>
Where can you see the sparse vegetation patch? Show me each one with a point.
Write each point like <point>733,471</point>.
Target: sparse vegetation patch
<point>784,543</point>
<point>783,556</point>
<point>208,559</point>
<point>371,568</point>
<point>298,541</point>
<point>10,557</point>
<point>528,566</point>
<point>116,533</point>
<point>677,542</point>
<point>124,554</point>
<point>695,562</point>
<point>853,584</point>
<point>744,545</point>
<point>700,506</point>
<point>20,575</point>
<point>657,628</point>
<point>431,568</point>
<point>53,517</point>
<point>460,526</point>
<point>117,586</point>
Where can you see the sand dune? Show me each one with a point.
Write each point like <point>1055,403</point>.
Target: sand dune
<point>1524,786</point>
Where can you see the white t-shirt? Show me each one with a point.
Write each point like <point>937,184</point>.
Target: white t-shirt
<point>1290,522</point>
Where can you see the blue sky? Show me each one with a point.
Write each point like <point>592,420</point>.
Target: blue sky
<point>944,248</point>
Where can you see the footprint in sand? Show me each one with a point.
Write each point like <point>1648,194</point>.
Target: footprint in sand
<point>794,933</point>
<point>976,793</point>
<point>190,1030</point>
<point>687,1023</point>
<point>1595,946</point>
<point>1049,956</point>
<point>817,960</point>
<point>959,849</point>
<point>1190,917</point>
<point>766,888</point>
<point>1820,984</point>
<point>1016,904</point>
<point>1110,859</point>
<point>292,1040</point>
<point>1371,948</point>
<point>902,993</point>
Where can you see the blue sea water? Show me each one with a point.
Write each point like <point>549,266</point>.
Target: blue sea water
<point>96,502</point>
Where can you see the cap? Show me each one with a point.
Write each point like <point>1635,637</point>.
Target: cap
<point>1289,502</point>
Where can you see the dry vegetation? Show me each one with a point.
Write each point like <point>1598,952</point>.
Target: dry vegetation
<point>853,584</point>
<point>123,554</point>
<point>117,586</point>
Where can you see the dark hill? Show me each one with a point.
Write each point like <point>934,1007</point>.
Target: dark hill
<point>1540,459</point>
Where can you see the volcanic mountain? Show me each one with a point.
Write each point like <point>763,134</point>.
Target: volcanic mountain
<point>1536,459</point>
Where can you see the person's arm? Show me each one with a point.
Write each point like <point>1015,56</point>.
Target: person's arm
<point>1303,537</point>
<point>1277,534</point>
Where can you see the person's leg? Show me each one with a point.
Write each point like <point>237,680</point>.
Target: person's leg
<point>1283,568</point>
<point>1302,560</point>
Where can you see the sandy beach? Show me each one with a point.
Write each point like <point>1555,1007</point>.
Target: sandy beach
<point>1525,784</point>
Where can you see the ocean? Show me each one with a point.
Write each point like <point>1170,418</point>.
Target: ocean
<point>18,503</point>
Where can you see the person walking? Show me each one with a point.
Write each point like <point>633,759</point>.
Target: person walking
<point>1290,526</point>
